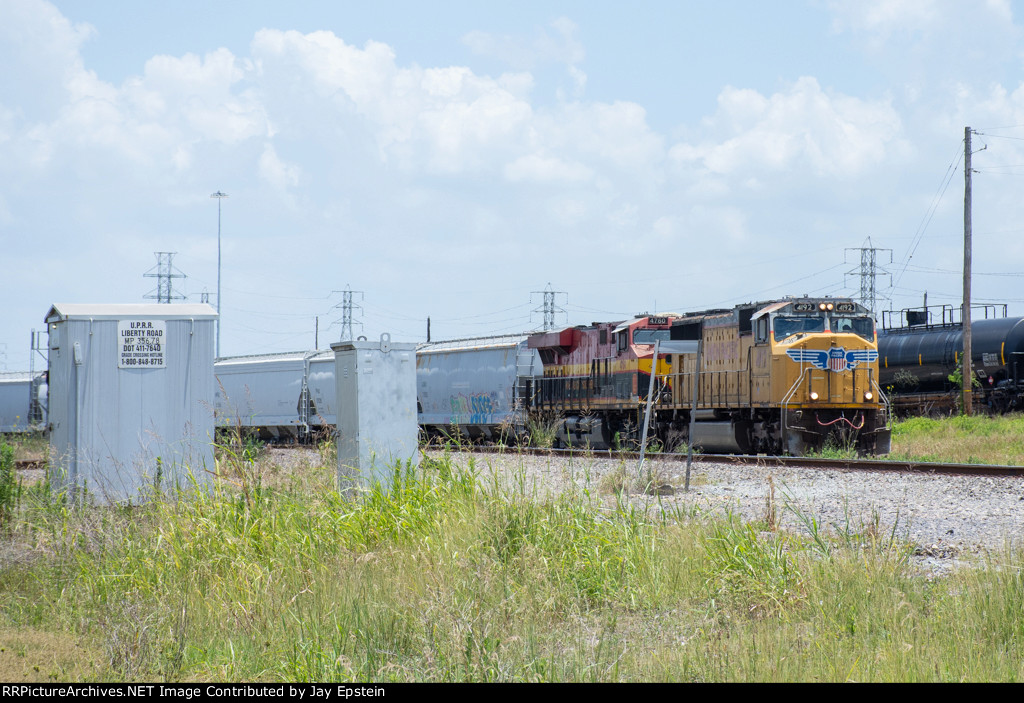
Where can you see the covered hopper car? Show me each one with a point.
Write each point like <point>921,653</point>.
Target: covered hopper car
<point>279,396</point>
<point>22,401</point>
<point>476,388</point>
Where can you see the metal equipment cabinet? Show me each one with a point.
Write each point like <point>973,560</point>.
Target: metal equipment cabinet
<point>376,410</point>
<point>131,399</point>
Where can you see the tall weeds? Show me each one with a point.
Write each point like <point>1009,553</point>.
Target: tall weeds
<point>10,487</point>
<point>446,574</point>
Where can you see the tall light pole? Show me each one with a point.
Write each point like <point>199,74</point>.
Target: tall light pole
<point>219,196</point>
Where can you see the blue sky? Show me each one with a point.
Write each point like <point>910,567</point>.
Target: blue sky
<point>449,159</point>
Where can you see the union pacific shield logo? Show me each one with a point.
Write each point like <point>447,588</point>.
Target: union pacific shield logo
<point>836,359</point>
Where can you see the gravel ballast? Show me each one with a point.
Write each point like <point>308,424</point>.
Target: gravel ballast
<point>946,518</point>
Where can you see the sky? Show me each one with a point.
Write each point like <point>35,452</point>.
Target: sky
<point>453,160</point>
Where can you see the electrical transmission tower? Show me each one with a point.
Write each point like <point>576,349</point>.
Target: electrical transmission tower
<point>868,272</point>
<point>549,308</point>
<point>165,275</point>
<point>347,306</point>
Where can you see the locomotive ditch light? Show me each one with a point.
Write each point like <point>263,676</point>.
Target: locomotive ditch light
<point>868,395</point>
<point>814,395</point>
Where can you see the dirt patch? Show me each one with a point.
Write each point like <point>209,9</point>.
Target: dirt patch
<point>36,656</point>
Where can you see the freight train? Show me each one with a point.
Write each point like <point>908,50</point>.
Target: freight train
<point>782,376</point>
<point>920,348</point>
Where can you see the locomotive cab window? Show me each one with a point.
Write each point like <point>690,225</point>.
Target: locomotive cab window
<point>860,326</point>
<point>623,340</point>
<point>761,330</point>
<point>649,336</point>
<point>789,326</point>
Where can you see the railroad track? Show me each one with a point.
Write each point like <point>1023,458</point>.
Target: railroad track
<point>29,464</point>
<point>774,461</point>
<point>745,460</point>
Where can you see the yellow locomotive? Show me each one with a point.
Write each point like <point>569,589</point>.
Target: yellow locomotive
<point>785,376</point>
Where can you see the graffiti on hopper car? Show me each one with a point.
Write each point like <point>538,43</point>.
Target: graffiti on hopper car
<point>473,409</point>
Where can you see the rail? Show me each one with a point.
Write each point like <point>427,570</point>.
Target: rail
<point>761,461</point>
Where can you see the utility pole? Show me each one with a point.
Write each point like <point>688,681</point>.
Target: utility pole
<point>549,308</point>
<point>868,273</point>
<point>219,196</point>
<point>165,275</point>
<point>967,372</point>
<point>346,312</point>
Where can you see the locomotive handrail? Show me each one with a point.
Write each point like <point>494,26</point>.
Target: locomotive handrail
<point>885,399</point>
<point>785,401</point>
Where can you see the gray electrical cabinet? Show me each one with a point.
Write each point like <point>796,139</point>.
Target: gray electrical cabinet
<point>377,427</point>
<point>131,399</point>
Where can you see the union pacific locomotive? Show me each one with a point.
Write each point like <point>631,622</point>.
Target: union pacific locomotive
<point>785,376</point>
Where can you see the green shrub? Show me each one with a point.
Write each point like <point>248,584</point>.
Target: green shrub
<point>10,487</point>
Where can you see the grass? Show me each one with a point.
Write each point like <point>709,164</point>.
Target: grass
<point>542,429</point>
<point>450,574</point>
<point>978,439</point>
<point>28,446</point>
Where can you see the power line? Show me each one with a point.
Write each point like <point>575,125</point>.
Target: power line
<point>930,212</point>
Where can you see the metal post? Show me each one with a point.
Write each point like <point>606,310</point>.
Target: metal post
<point>671,347</point>
<point>693,416</point>
<point>219,196</point>
<point>647,412</point>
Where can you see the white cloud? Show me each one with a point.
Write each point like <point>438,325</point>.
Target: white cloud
<point>885,16</point>
<point>933,41</point>
<point>276,172</point>
<point>39,50</point>
<point>803,128</point>
<point>562,46</point>
<point>444,119</point>
<point>543,169</point>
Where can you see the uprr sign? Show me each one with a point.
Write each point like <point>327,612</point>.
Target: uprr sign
<point>141,344</point>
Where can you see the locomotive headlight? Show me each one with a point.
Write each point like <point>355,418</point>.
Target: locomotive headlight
<point>814,395</point>
<point>829,306</point>
<point>821,306</point>
<point>868,395</point>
